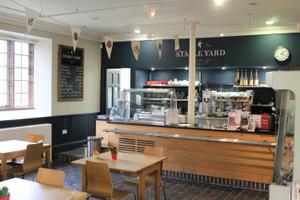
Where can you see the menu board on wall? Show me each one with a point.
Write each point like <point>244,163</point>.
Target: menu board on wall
<point>70,73</point>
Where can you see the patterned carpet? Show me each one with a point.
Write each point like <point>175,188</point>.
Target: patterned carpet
<point>175,190</point>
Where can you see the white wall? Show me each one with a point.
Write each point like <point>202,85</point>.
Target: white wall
<point>92,57</point>
<point>91,95</point>
<point>43,77</point>
<point>20,132</point>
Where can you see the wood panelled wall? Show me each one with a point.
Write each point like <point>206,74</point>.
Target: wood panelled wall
<point>78,126</point>
<point>217,159</point>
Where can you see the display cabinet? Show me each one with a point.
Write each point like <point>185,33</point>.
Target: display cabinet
<point>146,105</point>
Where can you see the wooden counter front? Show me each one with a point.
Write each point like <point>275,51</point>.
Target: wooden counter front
<point>217,159</point>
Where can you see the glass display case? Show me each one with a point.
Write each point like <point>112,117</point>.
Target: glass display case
<point>218,104</point>
<point>157,106</point>
<point>227,110</point>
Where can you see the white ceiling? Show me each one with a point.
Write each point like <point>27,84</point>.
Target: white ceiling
<point>118,18</point>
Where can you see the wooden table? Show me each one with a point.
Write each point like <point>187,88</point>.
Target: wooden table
<point>21,189</point>
<point>12,149</point>
<point>134,164</point>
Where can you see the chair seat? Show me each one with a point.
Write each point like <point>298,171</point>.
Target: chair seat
<point>17,162</point>
<point>17,170</point>
<point>8,161</point>
<point>150,180</point>
<point>79,196</point>
<point>21,162</point>
<point>117,194</point>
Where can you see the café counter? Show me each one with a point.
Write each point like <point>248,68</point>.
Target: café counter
<point>237,156</point>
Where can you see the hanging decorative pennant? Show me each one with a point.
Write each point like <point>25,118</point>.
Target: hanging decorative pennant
<point>75,36</point>
<point>135,46</point>
<point>177,45</point>
<point>31,18</point>
<point>159,47</point>
<point>108,45</point>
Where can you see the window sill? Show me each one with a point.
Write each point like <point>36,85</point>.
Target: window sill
<point>16,109</point>
<point>20,114</point>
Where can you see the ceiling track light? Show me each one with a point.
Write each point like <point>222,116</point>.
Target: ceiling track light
<point>151,12</point>
<point>219,2</point>
<point>137,31</point>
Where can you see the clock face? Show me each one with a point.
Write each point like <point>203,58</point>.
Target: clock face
<point>281,54</point>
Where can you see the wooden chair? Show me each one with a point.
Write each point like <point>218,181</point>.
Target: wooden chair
<point>99,182</point>
<point>31,163</point>
<point>35,138</point>
<point>79,196</point>
<point>150,179</point>
<point>51,177</point>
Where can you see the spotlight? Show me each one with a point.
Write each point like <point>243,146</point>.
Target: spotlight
<point>219,2</point>
<point>137,31</point>
<point>270,22</point>
<point>151,12</point>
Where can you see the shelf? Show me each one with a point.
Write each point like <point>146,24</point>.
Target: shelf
<point>164,99</point>
<point>251,86</point>
<point>157,99</point>
<point>263,105</point>
<point>182,100</point>
<point>233,101</point>
<point>169,86</point>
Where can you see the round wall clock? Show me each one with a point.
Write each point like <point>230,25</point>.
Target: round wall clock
<point>281,54</point>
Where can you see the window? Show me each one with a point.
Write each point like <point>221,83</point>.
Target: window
<point>16,75</point>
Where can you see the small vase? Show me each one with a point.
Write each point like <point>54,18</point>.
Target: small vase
<point>114,156</point>
<point>4,198</point>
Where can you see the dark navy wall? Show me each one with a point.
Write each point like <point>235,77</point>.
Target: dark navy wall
<point>141,76</point>
<point>216,76</point>
<point>240,51</point>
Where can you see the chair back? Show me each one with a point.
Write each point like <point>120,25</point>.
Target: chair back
<point>34,138</point>
<point>32,159</point>
<point>99,181</point>
<point>51,177</point>
<point>154,151</point>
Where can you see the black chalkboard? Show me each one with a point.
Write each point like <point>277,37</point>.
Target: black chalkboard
<point>70,73</point>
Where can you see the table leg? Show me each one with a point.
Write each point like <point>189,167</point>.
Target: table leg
<point>142,187</point>
<point>4,169</point>
<point>83,178</point>
<point>48,160</point>
<point>157,182</point>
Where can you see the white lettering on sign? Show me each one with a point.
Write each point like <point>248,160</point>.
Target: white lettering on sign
<point>202,51</point>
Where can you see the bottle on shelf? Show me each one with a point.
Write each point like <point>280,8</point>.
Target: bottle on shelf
<point>251,81</point>
<point>245,78</point>
<point>237,77</point>
<point>256,79</point>
<point>242,78</point>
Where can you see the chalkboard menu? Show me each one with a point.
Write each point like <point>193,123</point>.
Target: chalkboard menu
<point>70,73</point>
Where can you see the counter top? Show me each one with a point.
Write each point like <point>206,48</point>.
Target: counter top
<point>189,137</point>
<point>184,126</point>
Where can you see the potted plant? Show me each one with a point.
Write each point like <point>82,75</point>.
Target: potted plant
<point>113,151</point>
<point>4,194</point>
